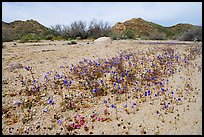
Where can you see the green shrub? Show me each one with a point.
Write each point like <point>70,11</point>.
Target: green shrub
<point>128,34</point>
<point>49,37</point>
<point>157,36</point>
<point>114,35</point>
<point>58,38</point>
<point>194,34</point>
<point>31,37</point>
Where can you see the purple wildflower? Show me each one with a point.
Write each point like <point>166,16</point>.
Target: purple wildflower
<point>65,81</point>
<point>114,84</point>
<point>112,106</point>
<point>38,88</point>
<point>50,101</point>
<point>59,122</point>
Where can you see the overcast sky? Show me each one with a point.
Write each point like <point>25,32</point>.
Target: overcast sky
<point>52,13</point>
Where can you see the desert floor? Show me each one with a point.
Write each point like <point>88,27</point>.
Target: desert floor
<point>182,117</point>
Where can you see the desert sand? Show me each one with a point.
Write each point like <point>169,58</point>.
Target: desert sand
<point>133,116</point>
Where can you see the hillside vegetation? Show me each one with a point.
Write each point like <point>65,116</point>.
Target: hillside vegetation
<point>135,28</point>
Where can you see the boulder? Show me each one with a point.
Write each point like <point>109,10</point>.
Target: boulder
<point>103,40</point>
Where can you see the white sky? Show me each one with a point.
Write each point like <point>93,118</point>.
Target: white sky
<point>64,13</point>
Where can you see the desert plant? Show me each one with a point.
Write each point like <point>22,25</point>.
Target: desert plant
<point>157,36</point>
<point>194,34</point>
<point>78,29</point>
<point>98,29</point>
<point>114,35</point>
<point>31,37</point>
<point>7,35</point>
<point>128,34</point>
<point>49,37</point>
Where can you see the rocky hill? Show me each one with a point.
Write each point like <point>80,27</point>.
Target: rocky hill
<point>19,28</point>
<point>139,28</point>
<point>143,28</point>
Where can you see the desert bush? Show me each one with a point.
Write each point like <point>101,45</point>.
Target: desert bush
<point>128,34</point>
<point>114,35</point>
<point>194,34</point>
<point>49,37</point>
<point>77,29</point>
<point>7,35</point>
<point>157,36</point>
<point>98,29</point>
<point>30,38</point>
<point>58,38</point>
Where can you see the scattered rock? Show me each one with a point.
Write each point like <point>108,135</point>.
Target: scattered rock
<point>103,40</point>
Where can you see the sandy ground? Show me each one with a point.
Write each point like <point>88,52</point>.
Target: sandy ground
<point>56,55</point>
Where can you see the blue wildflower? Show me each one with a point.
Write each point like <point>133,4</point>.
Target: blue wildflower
<point>160,83</point>
<point>70,82</point>
<point>179,99</point>
<point>46,109</point>
<point>59,122</point>
<point>114,84</point>
<point>50,101</point>
<point>27,68</point>
<point>105,101</point>
<point>118,87</point>
<point>168,103</point>
<point>23,83</point>
<point>94,90</point>
<point>112,106</point>
<point>35,81</point>
<point>65,81</point>
<point>58,76</point>
<point>148,92</point>
<point>118,81</point>
<point>163,89</point>
<point>38,88</point>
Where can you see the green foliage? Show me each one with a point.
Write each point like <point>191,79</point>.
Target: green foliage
<point>194,34</point>
<point>49,37</point>
<point>7,35</point>
<point>128,34</point>
<point>114,35</point>
<point>157,36</point>
<point>31,37</point>
<point>58,38</point>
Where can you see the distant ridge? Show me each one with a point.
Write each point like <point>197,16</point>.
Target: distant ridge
<point>143,28</point>
<point>19,28</point>
<point>139,26</point>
